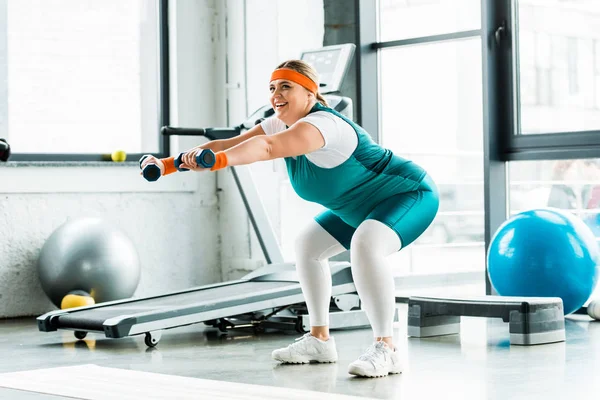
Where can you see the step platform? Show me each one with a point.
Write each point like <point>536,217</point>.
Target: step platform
<point>531,320</point>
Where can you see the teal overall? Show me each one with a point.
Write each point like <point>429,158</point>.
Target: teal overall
<point>373,183</point>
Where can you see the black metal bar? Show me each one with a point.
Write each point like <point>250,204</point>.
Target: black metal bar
<point>210,133</point>
<point>559,139</point>
<point>427,39</point>
<point>560,145</point>
<point>173,131</point>
<point>554,153</point>
<point>367,73</point>
<point>4,90</point>
<point>496,116</point>
<point>165,103</point>
<point>251,216</point>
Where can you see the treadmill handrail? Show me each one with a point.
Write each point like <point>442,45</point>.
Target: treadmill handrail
<point>209,133</point>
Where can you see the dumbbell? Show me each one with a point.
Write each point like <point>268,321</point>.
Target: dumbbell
<point>151,172</point>
<point>4,150</point>
<point>206,159</point>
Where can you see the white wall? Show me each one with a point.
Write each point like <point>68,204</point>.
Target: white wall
<point>169,221</point>
<point>261,35</point>
<point>35,199</point>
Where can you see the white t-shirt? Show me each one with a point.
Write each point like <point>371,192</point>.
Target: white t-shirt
<point>340,138</point>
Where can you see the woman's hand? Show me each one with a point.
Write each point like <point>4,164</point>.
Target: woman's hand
<point>188,160</point>
<point>150,159</point>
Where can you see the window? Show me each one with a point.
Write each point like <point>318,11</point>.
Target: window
<point>597,74</point>
<point>572,185</point>
<point>558,65</point>
<point>566,184</point>
<point>80,76</point>
<point>402,19</point>
<point>431,113</point>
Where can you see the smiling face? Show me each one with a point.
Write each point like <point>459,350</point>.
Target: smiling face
<point>290,100</point>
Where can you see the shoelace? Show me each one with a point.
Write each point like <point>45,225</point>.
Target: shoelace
<point>298,341</point>
<point>372,353</point>
<point>306,335</point>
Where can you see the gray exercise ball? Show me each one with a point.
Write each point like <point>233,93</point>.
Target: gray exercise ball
<point>90,255</point>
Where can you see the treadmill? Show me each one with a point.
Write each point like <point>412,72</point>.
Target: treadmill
<point>268,298</point>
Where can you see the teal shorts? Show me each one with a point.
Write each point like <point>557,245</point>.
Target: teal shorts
<point>407,214</point>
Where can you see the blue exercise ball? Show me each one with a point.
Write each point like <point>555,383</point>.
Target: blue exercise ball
<point>88,255</point>
<point>545,253</point>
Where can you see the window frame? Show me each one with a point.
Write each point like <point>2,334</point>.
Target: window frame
<point>495,197</point>
<point>522,147</point>
<point>164,107</point>
<point>502,140</point>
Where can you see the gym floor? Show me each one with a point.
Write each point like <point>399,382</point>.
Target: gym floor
<point>478,364</point>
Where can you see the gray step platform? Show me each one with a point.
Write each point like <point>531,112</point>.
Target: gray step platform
<point>531,320</point>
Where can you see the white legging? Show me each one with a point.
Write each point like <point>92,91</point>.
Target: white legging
<point>372,242</point>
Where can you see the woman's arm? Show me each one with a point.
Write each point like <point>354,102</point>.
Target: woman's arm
<point>301,138</point>
<point>167,165</point>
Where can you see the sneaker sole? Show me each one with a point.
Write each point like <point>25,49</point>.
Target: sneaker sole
<point>353,370</point>
<point>303,360</point>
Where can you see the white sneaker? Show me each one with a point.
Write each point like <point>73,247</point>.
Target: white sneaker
<point>378,360</point>
<point>306,349</point>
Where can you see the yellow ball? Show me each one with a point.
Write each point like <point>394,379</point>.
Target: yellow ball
<point>118,156</point>
<point>74,300</point>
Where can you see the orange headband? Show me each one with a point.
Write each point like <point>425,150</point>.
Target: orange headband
<point>297,77</point>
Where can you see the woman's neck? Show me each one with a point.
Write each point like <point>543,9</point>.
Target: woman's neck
<point>304,114</point>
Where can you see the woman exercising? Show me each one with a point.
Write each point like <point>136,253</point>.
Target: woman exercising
<point>376,204</point>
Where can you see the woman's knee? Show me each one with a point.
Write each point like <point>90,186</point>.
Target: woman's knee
<point>375,236</point>
<point>315,243</point>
